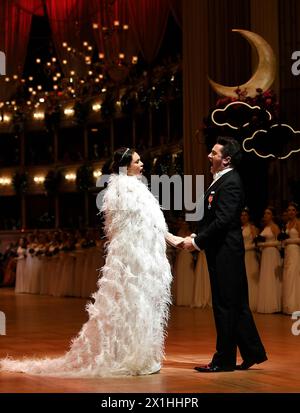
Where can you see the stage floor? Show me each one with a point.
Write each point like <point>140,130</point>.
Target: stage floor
<point>43,326</point>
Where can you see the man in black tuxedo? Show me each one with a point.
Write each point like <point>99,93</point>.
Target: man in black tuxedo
<point>220,235</point>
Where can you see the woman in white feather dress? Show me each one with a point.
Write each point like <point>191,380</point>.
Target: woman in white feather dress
<point>125,331</point>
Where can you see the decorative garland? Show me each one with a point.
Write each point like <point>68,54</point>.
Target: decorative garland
<point>178,163</point>
<point>84,178</point>
<point>53,117</point>
<point>18,121</point>
<point>108,107</point>
<point>81,111</point>
<point>163,165</point>
<point>20,182</point>
<point>52,181</point>
<point>106,168</point>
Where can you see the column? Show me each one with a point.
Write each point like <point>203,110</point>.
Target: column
<point>150,128</point>
<point>264,21</point>
<point>112,136</point>
<point>133,131</point>
<point>85,143</point>
<point>22,169</point>
<point>195,85</point>
<point>22,149</point>
<point>23,211</point>
<point>55,146</point>
<point>168,122</point>
<point>86,208</point>
<point>56,209</point>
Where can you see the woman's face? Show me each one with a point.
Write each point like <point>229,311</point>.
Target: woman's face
<point>292,212</point>
<point>244,218</point>
<point>268,216</point>
<point>136,165</point>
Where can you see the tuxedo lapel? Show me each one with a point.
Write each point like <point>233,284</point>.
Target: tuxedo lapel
<point>216,184</point>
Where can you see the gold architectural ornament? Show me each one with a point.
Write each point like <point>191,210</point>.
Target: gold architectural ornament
<point>264,75</point>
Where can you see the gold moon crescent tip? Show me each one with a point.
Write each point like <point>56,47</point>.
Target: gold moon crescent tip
<point>264,75</point>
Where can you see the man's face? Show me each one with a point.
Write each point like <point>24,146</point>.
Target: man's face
<point>218,163</point>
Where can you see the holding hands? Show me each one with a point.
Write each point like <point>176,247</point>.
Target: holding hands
<point>187,243</point>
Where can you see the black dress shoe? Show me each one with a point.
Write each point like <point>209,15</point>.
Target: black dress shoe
<point>246,364</point>
<point>212,368</point>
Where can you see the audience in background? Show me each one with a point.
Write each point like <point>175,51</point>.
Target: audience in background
<point>272,262</point>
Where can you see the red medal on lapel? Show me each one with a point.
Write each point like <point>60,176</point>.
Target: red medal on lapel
<point>210,199</point>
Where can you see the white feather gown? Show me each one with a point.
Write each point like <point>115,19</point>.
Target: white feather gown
<point>125,331</point>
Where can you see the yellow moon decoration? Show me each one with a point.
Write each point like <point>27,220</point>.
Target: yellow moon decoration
<point>264,75</point>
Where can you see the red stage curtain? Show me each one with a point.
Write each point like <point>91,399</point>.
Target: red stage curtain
<point>70,22</point>
<point>111,37</point>
<point>14,34</point>
<point>35,7</point>
<point>176,8</point>
<point>148,21</point>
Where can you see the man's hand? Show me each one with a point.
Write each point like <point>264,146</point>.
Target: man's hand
<point>187,244</point>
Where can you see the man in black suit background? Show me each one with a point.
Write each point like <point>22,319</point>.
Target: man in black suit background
<point>220,235</point>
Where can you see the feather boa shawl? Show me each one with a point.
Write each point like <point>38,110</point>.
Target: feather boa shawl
<point>125,331</point>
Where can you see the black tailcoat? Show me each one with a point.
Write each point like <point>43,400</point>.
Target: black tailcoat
<point>220,235</point>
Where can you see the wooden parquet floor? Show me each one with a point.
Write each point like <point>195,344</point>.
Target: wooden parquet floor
<point>43,326</point>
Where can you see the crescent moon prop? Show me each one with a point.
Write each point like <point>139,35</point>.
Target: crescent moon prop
<point>264,75</point>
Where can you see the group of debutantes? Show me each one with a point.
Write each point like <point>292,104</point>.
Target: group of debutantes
<point>272,259</point>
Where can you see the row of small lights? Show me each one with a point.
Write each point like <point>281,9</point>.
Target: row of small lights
<point>68,111</point>
<point>40,179</point>
<point>7,79</point>
<point>116,24</point>
<point>101,55</point>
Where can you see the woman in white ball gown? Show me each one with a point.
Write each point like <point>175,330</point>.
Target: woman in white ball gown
<point>270,277</point>
<point>291,267</point>
<point>125,331</point>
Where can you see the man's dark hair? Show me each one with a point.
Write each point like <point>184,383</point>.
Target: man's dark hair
<point>231,148</point>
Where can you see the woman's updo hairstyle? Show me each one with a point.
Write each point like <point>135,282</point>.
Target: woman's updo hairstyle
<point>122,158</point>
<point>272,209</point>
<point>294,205</point>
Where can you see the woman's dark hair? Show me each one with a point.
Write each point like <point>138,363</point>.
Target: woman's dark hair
<point>247,210</point>
<point>294,205</point>
<point>272,209</point>
<point>122,158</point>
<point>231,148</point>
